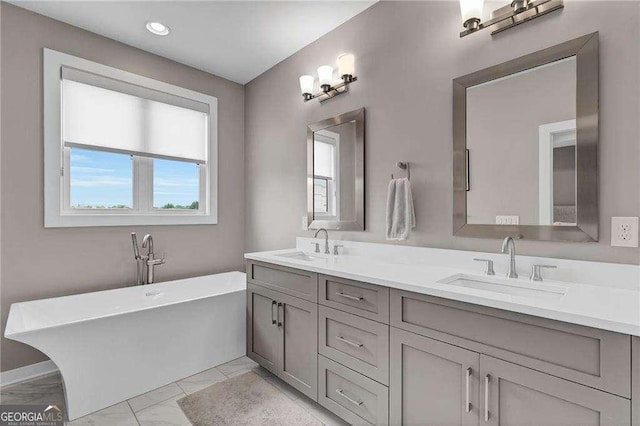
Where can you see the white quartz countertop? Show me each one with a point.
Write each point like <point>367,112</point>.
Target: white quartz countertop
<point>608,308</point>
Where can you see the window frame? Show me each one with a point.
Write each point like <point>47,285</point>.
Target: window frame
<point>56,158</point>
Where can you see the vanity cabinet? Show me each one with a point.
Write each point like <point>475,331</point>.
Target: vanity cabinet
<point>515,395</point>
<point>596,358</point>
<point>431,382</point>
<point>375,355</point>
<point>263,333</point>
<point>282,330</point>
<point>294,282</point>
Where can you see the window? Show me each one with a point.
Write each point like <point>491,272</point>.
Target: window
<point>176,185</point>
<point>121,149</point>
<point>100,180</point>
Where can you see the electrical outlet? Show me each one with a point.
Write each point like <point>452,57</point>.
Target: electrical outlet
<point>507,220</point>
<point>305,223</point>
<point>624,232</point>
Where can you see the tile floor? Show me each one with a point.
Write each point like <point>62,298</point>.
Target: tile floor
<point>158,407</point>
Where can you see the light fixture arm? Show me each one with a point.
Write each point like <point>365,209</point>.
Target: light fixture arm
<point>521,11</point>
<point>331,91</point>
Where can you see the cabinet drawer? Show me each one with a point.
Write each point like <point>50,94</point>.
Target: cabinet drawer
<point>596,358</point>
<point>350,395</point>
<point>358,343</point>
<point>367,300</point>
<point>294,282</point>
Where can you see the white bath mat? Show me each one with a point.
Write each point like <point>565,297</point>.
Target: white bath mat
<point>244,400</point>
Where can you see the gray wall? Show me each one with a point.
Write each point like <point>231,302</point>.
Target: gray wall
<point>503,120</point>
<point>39,263</point>
<point>407,53</point>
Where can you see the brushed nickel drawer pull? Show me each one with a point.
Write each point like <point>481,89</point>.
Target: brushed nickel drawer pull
<point>468,404</point>
<point>486,397</point>
<point>348,296</point>
<point>280,322</point>
<point>349,342</point>
<point>353,401</point>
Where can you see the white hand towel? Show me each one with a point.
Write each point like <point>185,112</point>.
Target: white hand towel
<point>401,218</point>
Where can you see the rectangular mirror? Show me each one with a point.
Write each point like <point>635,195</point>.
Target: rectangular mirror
<point>335,172</point>
<point>525,146</point>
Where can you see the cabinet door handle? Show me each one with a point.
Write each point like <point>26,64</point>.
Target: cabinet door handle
<point>467,391</point>
<point>487,378</point>
<point>280,322</point>
<point>273,319</point>
<point>349,342</point>
<point>353,401</point>
<point>348,296</point>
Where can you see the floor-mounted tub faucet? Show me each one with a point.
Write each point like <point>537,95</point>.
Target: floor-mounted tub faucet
<point>509,246</point>
<point>145,264</point>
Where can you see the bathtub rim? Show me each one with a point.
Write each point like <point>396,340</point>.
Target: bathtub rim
<point>10,334</point>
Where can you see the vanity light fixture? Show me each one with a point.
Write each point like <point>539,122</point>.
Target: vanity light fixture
<point>158,28</point>
<point>329,89</point>
<point>516,13</point>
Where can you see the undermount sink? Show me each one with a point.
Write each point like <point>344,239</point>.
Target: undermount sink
<point>300,255</point>
<point>506,286</point>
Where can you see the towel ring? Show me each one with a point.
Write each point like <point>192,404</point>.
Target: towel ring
<point>404,166</point>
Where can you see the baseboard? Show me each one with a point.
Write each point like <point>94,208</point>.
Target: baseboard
<point>27,372</point>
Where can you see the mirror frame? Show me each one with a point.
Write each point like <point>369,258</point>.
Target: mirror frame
<point>585,49</point>
<point>357,224</point>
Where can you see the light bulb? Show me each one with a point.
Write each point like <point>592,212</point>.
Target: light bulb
<point>306,84</point>
<point>471,11</point>
<point>325,75</point>
<point>346,65</point>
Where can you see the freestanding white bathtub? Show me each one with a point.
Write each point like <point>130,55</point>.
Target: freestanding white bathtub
<point>115,344</point>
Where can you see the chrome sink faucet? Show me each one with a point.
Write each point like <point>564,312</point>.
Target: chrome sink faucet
<point>148,262</point>
<point>326,239</point>
<point>509,246</point>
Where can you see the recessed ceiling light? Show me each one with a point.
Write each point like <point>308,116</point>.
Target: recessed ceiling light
<point>158,28</point>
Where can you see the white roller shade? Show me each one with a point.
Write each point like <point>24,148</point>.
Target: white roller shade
<point>101,113</point>
<point>323,159</point>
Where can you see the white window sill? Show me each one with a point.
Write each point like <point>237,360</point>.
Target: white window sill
<point>66,221</point>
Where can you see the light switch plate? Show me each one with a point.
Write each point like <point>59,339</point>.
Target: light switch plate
<point>624,232</point>
<point>507,220</point>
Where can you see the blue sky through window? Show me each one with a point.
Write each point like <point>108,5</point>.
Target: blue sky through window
<point>105,180</point>
<point>101,179</point>
<point>176,184</point>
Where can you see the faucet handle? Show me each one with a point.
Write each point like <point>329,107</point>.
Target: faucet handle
<point>536,274</point>
<point>317,246</point>
<point>489,270</point>
<point>335,249</point>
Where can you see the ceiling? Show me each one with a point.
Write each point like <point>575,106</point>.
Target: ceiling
<point>237,40</point>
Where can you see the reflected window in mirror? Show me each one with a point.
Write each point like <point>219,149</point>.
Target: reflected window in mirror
<point>334,172</point>
<point>326,147</point>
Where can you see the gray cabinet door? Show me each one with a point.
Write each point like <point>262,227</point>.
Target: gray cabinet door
<point>515,395</point>
<point>298,364</point>
<point>431,383</point>
<point>263,336</point>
